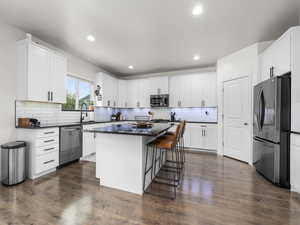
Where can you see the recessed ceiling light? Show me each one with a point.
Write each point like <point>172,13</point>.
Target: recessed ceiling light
<point>90,38</point>
<point>130,67</point>
<point>196,57</point>
<point>197,10</point>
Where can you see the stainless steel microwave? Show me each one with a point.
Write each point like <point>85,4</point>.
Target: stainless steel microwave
<point>159,100</point>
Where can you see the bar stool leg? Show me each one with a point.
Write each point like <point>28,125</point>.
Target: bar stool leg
<point>154,163</point>
<point>145,171</point>
<point>174,178</point>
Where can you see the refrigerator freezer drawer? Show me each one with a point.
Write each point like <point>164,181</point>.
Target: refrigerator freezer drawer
<point>266,159</point>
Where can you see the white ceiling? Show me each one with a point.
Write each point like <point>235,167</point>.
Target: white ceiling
<point>151,35</point>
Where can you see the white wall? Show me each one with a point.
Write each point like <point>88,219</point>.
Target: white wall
<point>239,64</point>
<point>8,38</point>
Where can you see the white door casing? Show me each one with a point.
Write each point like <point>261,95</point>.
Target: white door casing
<point>236,127</point>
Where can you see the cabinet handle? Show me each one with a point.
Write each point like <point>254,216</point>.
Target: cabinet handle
<point>48,149</point>
<point>52,132</point>
<point>51,96</point>
<point>48,95</point>
<point>50,161</point>
<point>179,103</point>
<point>108,103</point>
<point>49,141</point>
<point>272,72</point>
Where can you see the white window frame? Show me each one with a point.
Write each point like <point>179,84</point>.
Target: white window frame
<point>78,79</point>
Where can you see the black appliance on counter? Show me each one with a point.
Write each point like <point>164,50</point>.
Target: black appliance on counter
<point>70,146</point>
<point>159,100</point>
<point>271,131</point>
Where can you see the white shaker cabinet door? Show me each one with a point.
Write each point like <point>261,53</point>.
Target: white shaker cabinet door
<point>122,93</point>
<point>89,145</point>
<point>144,92</point>
<point>175,91</point>
<point>58,78</point>
<point>211,137</point>
<point>295,162</point>
<point>295,95</point>
<point>39,63</point>
<point>197,136</point>
<point>266,63</point>
<point>282,55</point>
<point>158,85</point>
<point>133,92</point>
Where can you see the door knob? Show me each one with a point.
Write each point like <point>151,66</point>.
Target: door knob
<point>246,124</point>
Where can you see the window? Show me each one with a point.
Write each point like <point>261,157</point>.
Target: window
<point>78,92</point>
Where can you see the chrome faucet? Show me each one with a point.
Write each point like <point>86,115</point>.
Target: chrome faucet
<point>81,110</point>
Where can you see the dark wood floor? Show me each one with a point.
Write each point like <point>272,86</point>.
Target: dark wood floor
<point>215,190</point>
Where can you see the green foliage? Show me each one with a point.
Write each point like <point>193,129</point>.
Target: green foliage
<point>71,102</point>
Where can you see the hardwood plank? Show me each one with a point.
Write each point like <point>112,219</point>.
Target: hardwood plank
<point>215,190</point>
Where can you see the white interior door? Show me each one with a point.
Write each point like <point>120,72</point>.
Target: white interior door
<point>236,119</point>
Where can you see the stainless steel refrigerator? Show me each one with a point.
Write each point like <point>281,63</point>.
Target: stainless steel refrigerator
<point>271,131</point>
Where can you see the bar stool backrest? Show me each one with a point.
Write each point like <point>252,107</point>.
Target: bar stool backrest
<point>177,134</point>
<point>183,128</point>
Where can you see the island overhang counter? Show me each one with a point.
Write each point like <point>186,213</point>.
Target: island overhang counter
<point>121,155</point>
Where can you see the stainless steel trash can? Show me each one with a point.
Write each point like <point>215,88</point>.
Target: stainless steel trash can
<point>13,162</point>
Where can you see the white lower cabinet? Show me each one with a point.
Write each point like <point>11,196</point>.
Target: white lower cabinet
<point>294,163</point>
<point>89,139</point>
<point>43,150</point>
<point>203,136</point>
<point>200,136</point>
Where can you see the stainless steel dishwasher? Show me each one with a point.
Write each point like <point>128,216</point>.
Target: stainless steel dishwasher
<point>70,144</point>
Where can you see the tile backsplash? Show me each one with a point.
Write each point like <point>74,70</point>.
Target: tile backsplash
<point>46,113</point>
<point>191,114</point>
<point>49,113</point>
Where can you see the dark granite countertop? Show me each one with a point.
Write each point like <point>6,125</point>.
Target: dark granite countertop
<point>52,125</point>
<point>131,129</point>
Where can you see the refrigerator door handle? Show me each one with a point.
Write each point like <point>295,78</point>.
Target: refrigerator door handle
<point>258,115</point>
<point>262,109</point>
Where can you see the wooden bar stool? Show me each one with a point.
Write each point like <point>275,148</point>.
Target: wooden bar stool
<point>171,135</point>
<point>166,145</point>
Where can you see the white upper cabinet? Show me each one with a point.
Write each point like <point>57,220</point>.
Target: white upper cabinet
<point>122,93</point>
<point>204,90</point>
<point>109,86</point>
<point>58,78</point>
<point>295,98</point>
<point>133,93</point>
<point>139,90</point>
<point>41,73</point>
<point>294,162</point>
<point>193,90</point>
<point>282,56</point>
<point>158,85</point>
<point>39,63</point>
<point>266,63</point>
<point>180,91</point>
<point>276,59</point>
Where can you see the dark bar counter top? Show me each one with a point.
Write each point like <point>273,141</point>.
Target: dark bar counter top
<point>131,129</point>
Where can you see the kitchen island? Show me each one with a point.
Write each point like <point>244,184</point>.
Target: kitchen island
<point>121,155</point>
